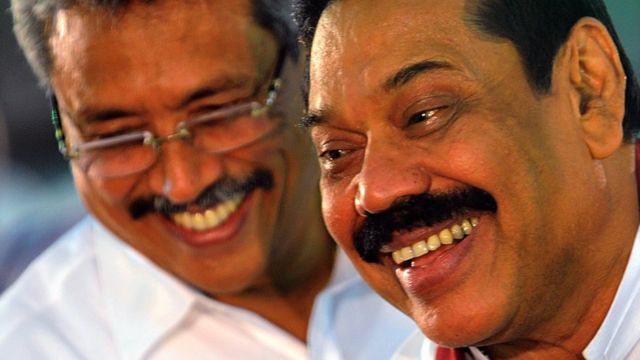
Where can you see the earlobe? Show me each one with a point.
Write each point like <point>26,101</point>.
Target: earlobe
<point>599,82</point>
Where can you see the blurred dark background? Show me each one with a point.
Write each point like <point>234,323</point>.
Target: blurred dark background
<point>37,201</point>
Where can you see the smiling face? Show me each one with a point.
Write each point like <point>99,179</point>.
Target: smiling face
<point>428,131</point>
<point>149,67</point>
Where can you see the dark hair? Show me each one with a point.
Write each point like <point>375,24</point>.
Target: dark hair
<point>33,21</point>
<point>537,28</point>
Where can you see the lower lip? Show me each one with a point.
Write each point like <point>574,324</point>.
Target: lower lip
<point>435,273</point>
<point>219,235</point>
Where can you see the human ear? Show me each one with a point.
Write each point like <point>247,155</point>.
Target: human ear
<point>598,82</point>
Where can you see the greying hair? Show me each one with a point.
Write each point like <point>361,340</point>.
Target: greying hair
<point>33,22</point>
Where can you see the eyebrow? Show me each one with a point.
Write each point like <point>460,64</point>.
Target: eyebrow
<point>103,115</point>
<point>212,90</point>
<point>401,77</point>
<point>89,116</point>
<point>310,120</point>
<point>410,71</point>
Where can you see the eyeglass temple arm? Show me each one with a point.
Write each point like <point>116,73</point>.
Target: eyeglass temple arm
<point>57,126</point>
<point>277,77</point>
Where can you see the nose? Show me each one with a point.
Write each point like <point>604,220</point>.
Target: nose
<point>390,171</point>
<point>182,172</point>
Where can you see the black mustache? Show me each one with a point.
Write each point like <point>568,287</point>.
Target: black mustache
<point>417,211</point>
<point>222,190</point>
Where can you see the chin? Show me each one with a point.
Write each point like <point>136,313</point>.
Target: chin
<point>454,328</point>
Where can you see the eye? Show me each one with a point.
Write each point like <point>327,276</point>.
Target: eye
<point>206,111</point>
<point>339,151</point>
<point>91,130</point>
<point>115,133</point>
<point>424,116</point>
<point>339,163</point>
<point>333,154</point>
<point>112,133</point>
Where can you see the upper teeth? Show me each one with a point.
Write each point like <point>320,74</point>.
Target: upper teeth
<point>210,218</point>
<point>444,237</point>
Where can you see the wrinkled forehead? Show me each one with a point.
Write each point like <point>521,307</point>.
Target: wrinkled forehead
<point>363,41</point>
<point>152,10</point>
<point>160,18</point>
<point>165,32</point>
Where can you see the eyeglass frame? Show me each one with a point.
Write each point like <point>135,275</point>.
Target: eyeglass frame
<point>256,108</point>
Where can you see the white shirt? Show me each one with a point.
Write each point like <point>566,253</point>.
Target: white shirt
<point>617,339</point>
<point>91,296</point>
<point>351,322</point>
<point>619,334</point>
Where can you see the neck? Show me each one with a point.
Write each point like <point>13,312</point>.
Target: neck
<point>286,295</point>
<point>288,308</point>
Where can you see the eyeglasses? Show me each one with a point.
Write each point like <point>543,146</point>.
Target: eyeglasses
<point>216,132</point>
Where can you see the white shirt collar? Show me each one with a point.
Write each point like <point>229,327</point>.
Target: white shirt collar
<point>417,346</point>
<point>144,302</point>
<point>620,331</point>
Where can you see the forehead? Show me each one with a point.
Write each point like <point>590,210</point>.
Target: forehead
<point>155,40</point>
<point>367,41</point>
<point>162,22</point>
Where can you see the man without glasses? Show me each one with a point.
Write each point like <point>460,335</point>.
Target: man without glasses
<point>478,167</point>
<point>206,239</point>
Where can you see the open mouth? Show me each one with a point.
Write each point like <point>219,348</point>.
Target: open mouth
<point>447,236</point>
<point>208,219</point>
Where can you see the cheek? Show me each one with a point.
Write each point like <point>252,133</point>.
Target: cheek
<point>338,211</point>
<point>467,163</point>
<point>465,160</point>
<point>113,192</point>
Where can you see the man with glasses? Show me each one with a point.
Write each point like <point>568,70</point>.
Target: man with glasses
<point>479,168</point>
<point>206,239</point>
